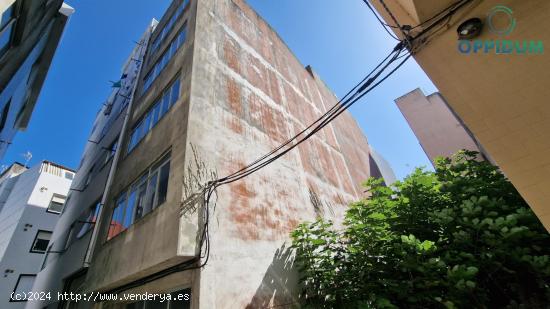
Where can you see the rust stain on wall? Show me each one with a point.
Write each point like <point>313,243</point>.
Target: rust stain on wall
<point>232,54</point>
<point>234,97</point>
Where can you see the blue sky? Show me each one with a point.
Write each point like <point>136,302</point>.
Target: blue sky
<point>341,40</point>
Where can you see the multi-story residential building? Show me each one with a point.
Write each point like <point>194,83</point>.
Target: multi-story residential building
<point>66,259</point>
<point>210,88</point>
<point>30,202</point>
<point>30,32</point>
<point>440,132</point>
<point>493,71</point>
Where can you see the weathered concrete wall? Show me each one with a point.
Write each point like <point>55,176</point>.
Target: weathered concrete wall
<point>242,94</point>
<point>249,94</point>
<point>438,130</point>
<point>155,236</point>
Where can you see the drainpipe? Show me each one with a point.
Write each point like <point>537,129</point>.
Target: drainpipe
<point>116,158</point>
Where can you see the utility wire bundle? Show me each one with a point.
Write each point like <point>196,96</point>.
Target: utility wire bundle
<point>404,49</point>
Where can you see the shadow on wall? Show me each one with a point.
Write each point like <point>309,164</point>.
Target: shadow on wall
<point>279,288</point>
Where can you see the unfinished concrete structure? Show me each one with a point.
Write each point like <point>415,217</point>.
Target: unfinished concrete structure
<point>30,202</point>
<point>500,92</point>
<point>30,32</point>
<point>219,86</point>
<point>440,132</point>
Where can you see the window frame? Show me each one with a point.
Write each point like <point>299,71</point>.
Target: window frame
<point>69,173</point>
<point>139,131</point>
<point>92,214</point>
<point>168,27</point>
<point>133,189</point>
<point>14,291</point>
<point>32,250</point>
<point>62,206</point>
<point>157,68</point>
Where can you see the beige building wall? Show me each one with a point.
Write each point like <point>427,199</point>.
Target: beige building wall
<point>439,132</point>
<point>502,98</point>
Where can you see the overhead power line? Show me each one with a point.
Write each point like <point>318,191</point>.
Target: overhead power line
<point>403,50</point>
<point>366,85</point>
<point>384,25</point>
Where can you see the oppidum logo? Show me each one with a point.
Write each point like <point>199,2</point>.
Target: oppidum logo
<point>501,22</point>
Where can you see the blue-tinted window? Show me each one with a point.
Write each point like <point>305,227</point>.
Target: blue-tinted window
<point>129,214</point>
<point>148,192</point>
<point>154,114</point>
<point>168,27</point>
<point>163,60</point>
<point>118,216</point>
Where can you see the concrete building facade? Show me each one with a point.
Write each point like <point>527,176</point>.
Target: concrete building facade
<point>499,89</point>
<point>30,32</point>
<point>66,258</point>
<point>219,87</point>
<point>440,132</point>
<point>31,201</point>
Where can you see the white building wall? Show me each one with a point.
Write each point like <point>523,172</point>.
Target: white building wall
<point>24,214</point>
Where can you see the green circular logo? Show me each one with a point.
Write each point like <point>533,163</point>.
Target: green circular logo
<point>499,9</point>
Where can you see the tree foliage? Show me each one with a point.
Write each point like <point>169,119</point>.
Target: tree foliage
<point>459,237</point>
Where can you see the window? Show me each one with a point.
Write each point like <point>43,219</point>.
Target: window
<point>57,203</point>
<point>69,175</point>
<point>89,220</point>
<point>170,51</point>
<point>168,27</point>
<point>5,112</point>
<point>24,285</point>
<point>6,29</point>
<point>116,220</point>
<point>41,241</point>
<point>154,114</point>
<point>144,195</point>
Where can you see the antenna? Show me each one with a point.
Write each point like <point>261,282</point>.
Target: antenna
<point>27,156</point>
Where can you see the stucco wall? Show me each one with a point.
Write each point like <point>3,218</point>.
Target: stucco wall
<point>24,215</point>
<point>439,132</point>
<point>502,97</point>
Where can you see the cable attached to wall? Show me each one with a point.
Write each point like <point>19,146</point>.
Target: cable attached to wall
<point>403,51</point>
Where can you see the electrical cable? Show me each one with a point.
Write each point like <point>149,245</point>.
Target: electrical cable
<point>335,111</point>
<point>393,18</point>
<point>384,25</point>
<point>369,83</point>
<point>331,110</point>
<point>450,7</point>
